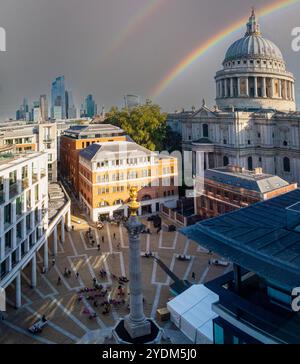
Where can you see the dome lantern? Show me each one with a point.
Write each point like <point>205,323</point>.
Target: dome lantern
<point>253,28</point>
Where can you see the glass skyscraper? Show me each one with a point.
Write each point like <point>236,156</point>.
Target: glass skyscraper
<point>58,98</point>
<point>90,107</point>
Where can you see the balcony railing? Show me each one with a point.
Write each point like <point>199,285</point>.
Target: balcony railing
<point>48,140</point>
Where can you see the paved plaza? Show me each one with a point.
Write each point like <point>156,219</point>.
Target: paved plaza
<point>69,313</point>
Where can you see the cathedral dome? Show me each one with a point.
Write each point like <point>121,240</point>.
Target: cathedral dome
<point>254,75</point>
<point>253,46</point>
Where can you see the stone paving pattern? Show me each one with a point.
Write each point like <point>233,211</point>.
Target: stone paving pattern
<point>67,321</point>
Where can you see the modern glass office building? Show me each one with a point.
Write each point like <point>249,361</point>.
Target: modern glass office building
<point>58,98</point>
<point>255,299</point>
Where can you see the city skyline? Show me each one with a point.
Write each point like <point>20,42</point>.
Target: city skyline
<point>114,65</point>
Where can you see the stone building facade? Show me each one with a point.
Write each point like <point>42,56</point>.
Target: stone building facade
<point>254,123</point>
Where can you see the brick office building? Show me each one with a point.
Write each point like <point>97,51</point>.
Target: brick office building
<point>230,188</point>
<point>78,138</point>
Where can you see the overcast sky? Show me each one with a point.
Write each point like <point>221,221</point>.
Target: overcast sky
<point>81,40</point>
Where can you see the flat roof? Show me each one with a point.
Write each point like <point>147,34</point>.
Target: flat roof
<point>57,199</point>
<point>9,159</point>
<point>82,130</point>
<point>257,238</point>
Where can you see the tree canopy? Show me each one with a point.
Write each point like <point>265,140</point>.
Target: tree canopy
<point>145,124</point>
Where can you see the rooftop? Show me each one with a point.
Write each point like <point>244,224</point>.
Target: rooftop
<point>251,180</point>
<point>253,44</point>
<point>259,238</point>
<point>57,199</point>
<point>109,150</point>
<point>8,159</point>
<point>93,131</point>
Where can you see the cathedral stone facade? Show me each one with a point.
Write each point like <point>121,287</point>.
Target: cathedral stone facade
<point>255,122</point>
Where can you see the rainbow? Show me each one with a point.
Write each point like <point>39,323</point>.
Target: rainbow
<point>210,43</point>
<point>149,9</point>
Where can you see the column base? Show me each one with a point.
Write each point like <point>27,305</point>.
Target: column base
<point>122,336</point>
<point>137,329</point>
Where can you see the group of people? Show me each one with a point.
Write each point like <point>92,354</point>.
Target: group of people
<point>102,273</point>
<point>67,274</point>
<point>99,292</point>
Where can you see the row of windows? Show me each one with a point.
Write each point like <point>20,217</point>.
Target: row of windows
<point>251,61</point>
<point>20,251</point>
<point>114,189</point>
<point>286,163</point>
<point>121,176</point>
<point>169,193</point>
<point>121,162</point>
<point>18,141</point>
<point>220,193</point>
<point>215,207</point>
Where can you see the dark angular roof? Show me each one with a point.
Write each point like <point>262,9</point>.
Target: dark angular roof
<point>257,238</point>
<point>261,183</point>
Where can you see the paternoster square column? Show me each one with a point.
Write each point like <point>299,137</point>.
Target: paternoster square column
<point>136,323</point>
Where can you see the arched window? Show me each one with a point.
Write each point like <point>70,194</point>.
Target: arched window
<point>285,143</point>
<point>103,203</point>
<point>250,163</point>
<point>286,164</point>
<point>225,161</point>
<point>205,130</point>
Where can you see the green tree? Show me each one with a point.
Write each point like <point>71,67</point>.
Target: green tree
<point>145,124</point>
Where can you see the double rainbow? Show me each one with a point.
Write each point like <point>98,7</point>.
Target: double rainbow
<point>210,43</point>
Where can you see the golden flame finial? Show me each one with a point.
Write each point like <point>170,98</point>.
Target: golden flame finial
<point>133,204</point>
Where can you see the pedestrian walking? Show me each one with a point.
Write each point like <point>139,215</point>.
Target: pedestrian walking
<point>114,236</point>
<point>102,239</point>
<point>53,261</point>
<point>77,275</point>
<point>98,246</point>
<point>58,281</point>
<point>193,276</point>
